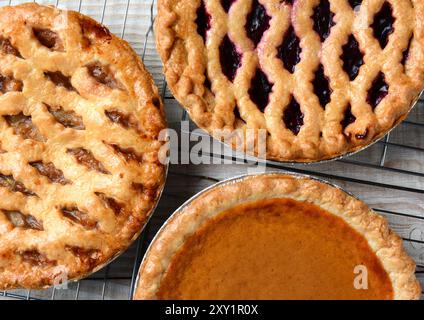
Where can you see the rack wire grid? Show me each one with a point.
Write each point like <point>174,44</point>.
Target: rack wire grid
<point>389,175</point>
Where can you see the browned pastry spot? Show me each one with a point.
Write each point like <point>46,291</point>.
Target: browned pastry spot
<point>14,186</point>
<point>88,257</point>
<point>59,79</point>
<point>86,158</point>
<point>120,118</point>
<point>24,127</point>
<point>116,207</point>
<point>93,31</point>
<point>77,216</point>
<point>20,220</point>
<point>61,66</point>
<point>149,191</point>
<point>49,39</point>
<point>35,258</point>
<point>9,84</point>
<point>7,48</point>
<point>129,154</point>
<point>125,120</point>
<point>50,171</point>
<point>103,75</point>
<point>68,118</point>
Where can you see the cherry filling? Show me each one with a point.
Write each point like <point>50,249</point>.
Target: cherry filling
<point>321,87</point>
<point>257,22</point>
<point>349,118</point>
<point>293,117</point>
<point>405,54</point>
<point>203,20</point>
<point>323,19</point>
<point>288,1</point>
<point>226,4</point>
<point>352,58</point>
<point>260,88</point>
<point>230,58</point>
<point>355,4</point>
<point>378,91</point>
<point>290,50</point>
<point>383,24</point>
<point>35,258</point>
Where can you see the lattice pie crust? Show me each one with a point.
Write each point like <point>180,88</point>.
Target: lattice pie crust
<point>79,125</point>
<point>322,78</point>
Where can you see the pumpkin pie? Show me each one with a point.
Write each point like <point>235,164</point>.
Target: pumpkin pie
<point>276,236</point>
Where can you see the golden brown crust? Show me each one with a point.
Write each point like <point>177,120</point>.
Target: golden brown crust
<point>187,60</point>
<point>385,243</point>
<point>79,167</point>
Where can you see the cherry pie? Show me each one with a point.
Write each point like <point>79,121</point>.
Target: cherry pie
<point>322,77</point>
<point>79,162</point>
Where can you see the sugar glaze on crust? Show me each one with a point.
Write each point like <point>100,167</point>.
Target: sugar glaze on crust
<point>223,196</point>
<point>79,158</point>
<point>194,72</point>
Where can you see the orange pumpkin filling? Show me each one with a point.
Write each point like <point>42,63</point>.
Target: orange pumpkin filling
<point>275,249</point>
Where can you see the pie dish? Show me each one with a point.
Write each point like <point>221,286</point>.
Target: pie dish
<point>276,236</point>
<point>319,78</point>
<point>79,163</point>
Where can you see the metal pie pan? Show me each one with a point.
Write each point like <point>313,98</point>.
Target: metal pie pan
<point>220,184</point>
<point>252,157</point>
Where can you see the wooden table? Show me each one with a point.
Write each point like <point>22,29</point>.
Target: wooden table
<point>388,176</point>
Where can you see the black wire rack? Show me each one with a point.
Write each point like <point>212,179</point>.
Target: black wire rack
<point>392,170</point>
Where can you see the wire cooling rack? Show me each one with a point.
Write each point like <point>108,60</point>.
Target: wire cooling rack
<point>389,175</point>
